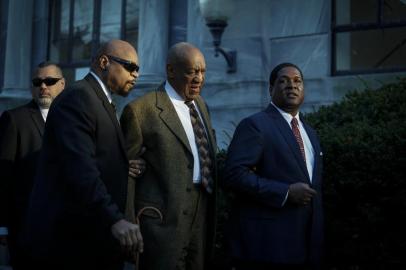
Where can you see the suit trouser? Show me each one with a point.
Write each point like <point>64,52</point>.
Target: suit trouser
<point>18,256</point>
<point>245,265</point>
<point>193,253</point>
<point>69,265</point>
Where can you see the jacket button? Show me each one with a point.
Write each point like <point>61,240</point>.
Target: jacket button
<point>190,166</point>
<point>184,212</point>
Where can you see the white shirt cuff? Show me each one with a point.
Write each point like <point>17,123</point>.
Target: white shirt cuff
<point>286,198</point>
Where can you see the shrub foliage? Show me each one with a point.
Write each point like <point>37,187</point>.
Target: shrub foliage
<point>364,144</point>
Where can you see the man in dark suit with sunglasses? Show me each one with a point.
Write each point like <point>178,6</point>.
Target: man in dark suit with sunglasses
<point>76,215</point>
<point>21,131</point>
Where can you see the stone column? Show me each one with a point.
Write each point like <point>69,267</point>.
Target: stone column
<point>153,39</point>
<point>152,48</point>
<point>17,55</point>
<point>40,38</point>
<point>178,21</point>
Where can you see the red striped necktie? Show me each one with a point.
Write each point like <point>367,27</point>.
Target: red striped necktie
<point>296,132</point>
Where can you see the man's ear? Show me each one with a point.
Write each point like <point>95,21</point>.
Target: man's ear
<point>270,90</point>
<point>169,71</point>
<point>104,62</point>
<point>63,82</point>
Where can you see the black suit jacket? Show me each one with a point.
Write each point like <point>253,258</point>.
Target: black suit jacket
<point>21,132</point>
<point>81,185</point>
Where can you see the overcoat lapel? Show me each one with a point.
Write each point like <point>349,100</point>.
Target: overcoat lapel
<point>287,134</point>
<point>170,117</point>
<point>36,116</point>
<point>109,108</point>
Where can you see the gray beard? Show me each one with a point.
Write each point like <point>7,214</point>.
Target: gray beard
<point>44,102</point>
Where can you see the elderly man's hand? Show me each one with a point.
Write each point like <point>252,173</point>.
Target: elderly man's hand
<point>301,193</point>
<point>137,166</point>
<point>129,236</point>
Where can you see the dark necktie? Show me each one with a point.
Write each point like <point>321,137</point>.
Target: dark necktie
<point>113,104</point>
<point>202,147</point>
<point>296,132</point>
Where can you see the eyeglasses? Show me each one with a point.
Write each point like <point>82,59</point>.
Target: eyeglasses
<point>48,81</point>
<point>128,65</point>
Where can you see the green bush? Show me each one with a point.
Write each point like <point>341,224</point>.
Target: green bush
<point>364,144</point>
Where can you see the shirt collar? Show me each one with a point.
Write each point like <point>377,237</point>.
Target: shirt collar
<point>173,95</point>
<point>172,92</point>
<point>44,112</point>
<point>288,117</point>
<point>103,86</point>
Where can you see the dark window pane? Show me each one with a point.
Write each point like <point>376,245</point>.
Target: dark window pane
<point>69,75</point>
<point>394,10</point>
<point>356,11</point>
<point>82,30</point>
<point>132,17</point>
<point>73,74</point>
<point>60,31</point>
<point>110,25</point>
<point>71,41</point>
<point>371,50</point>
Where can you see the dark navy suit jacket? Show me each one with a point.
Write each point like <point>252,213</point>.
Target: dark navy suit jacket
<point>263,160</point>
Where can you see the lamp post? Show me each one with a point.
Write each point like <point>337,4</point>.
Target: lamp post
<point>216,14</point>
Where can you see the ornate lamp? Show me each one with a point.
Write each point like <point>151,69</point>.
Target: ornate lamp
<point>216,14</point>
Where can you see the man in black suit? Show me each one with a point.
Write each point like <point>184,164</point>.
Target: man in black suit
<point>21,131</point>
<point>274,166</point>
<point>76,214</point>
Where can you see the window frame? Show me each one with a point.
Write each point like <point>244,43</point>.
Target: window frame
<point>354,27</point>
<point>3,41</point>
<point>97,9</point>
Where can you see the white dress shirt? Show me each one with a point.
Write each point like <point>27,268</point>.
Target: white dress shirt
<point>184,116</point>
<point>106,92</point>
<point>44,113</point>
<point>309,151</point>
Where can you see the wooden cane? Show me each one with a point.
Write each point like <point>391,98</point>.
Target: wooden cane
<point>137,221</point>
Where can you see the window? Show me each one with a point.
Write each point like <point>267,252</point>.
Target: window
<point>78,27</point>
<point>368,36</point>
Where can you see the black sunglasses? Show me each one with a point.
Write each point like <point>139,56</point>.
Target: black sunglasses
<point>48,81</point>
<point>128,65</point>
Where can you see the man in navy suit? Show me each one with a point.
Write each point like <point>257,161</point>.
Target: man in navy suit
<point>21,131</point>
<point>76,215</point>
<point>274,166</point>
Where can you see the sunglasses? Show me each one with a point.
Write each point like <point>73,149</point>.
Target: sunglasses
<point>48,81</point>
<point>128,65</point>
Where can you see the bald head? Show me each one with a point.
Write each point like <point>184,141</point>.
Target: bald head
<point>116,47</point>
<point>181,52</point>
<point>116,64</point>
<point>185,68</point>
